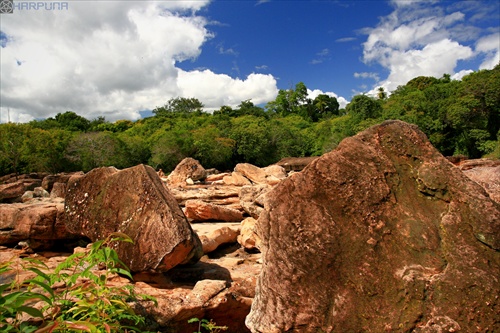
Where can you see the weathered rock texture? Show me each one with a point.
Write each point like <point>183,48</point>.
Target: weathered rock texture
<point>198,210</point>
<point>381,235</point>
<point>486,173</point>
<point>135,202</point>
<point>40,224</point>
<point>248,237</point>
<point>188,168</point>
<point>295,163</point>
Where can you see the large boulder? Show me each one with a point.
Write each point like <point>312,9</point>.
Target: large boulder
<point>381,235</point>
<point>135,202</point>
<point>188,169</point>
<point>40,224</point>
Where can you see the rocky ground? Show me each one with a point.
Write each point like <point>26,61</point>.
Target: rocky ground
<point>371,230</point>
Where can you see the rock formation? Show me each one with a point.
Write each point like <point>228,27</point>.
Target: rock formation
<point>248,237</point>
<point>198,210</point>
<point>186,171</point>
<point>381,235</point>
<point>135,202</point>
<point>39,224</point>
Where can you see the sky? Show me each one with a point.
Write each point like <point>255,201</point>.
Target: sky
<point>119,59</point>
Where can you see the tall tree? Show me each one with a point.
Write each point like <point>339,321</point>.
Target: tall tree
<point>179,106</point>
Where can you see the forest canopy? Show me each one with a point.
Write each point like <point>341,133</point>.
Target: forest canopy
<point>459,117</point>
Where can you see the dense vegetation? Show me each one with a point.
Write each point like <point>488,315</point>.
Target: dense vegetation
<point>459,117</point>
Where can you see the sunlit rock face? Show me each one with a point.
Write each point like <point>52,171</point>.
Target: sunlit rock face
<point>383,234</point>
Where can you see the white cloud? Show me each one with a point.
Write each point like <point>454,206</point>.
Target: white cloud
<point>312,94</point>
<point>367,75</point>
<point>490,45</point>
<point>419,39</point>
<point>345,39</point>
<point>461,74</point>
<point>215,90</point>
<point>109,58</point>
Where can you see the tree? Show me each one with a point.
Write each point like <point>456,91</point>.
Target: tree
<point>324,106</point>
<point>381,94</point>
<point>97,149</point>
<point>291,101</point>
<point>72,122</point>
<point>213,150</point>
<point>364,107</point>
<point>179,106</point>
<point>12,146</point>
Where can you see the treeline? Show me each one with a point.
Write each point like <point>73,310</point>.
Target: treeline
<point>459,117</point>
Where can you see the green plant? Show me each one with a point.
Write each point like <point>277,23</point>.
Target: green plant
<point>208,325</point>
<point>76,297</point>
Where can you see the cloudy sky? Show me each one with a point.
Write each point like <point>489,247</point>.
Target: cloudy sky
<point>119,58</point>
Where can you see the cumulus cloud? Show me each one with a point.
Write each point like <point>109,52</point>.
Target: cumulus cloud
<point>215,90</point>
<point>312,94</point>
<point>489,45</point>
<point>109,59</point>
<point>417,39</point>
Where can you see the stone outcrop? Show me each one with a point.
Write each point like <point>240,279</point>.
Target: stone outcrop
<point>381,235</point>
<point>135,202</point>
<point>39,224</point>
<point>186,171</point>
<point>198,210</point>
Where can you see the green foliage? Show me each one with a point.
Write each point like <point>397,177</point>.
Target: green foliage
<point>207,325</point>
<point>96,149</point>
<point>459,117</point>
<point>179,106</point>
<point>75,297</point>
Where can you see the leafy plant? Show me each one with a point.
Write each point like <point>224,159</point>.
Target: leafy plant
<point>208,325</point>
<point>76,297</point>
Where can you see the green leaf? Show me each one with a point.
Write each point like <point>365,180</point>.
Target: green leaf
<point>44,286</point>
<point>39,273</point>
<point>31,311</point>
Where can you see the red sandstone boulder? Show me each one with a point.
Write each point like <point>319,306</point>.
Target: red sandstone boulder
<point>381,235</point>
<point>39,223</point>
<point>198,210</point>
<point>186,171</point>
<point>135,202</point>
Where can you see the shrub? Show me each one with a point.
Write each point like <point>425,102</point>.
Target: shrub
<point>75,297</point>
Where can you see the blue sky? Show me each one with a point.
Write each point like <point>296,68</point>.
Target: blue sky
<point>117,58</point>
